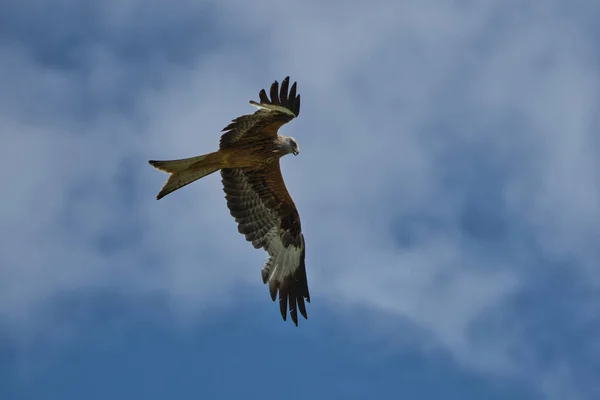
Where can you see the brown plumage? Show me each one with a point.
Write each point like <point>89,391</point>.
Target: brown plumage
<point>248,158</point>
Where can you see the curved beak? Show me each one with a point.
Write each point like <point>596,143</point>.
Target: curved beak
<point>295,152</point>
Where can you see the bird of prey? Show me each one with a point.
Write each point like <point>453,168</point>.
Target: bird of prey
<point>248,158</point>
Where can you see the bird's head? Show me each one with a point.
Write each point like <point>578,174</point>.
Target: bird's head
<point>294,146</point>
<point>290,145</point>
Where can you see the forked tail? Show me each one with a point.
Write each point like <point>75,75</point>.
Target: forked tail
<point>185,171</point>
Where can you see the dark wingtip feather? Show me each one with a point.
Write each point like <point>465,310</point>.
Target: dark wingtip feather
<point>283,302</point>
<point>283,91</point>
<point>264,274</point>
<point>297,106</point>
<point>292,95</point>
<point>293,310</point>
<point>302,307</point>
<point>273,286</point>
<point>263,96</point>
<point>275,93</point>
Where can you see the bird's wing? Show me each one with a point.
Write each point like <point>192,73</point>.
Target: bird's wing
<point>267,216</point>
<point>270,116</point>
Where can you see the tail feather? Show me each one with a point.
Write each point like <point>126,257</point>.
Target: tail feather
<point>183,172</point>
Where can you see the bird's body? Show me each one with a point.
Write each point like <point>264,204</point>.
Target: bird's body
<point>248,158</point>
<point>255,154</point>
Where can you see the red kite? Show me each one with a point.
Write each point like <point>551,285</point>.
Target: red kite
<point>248,158</point>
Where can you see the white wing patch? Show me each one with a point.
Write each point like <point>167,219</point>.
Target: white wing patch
<point>282,261</point>
<point>272,107</point>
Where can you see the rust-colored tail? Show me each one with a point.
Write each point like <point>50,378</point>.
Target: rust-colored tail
<point>185,171</point>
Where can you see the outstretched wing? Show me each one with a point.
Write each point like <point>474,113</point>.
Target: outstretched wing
<point>267,216</point>
<point>271,115</point>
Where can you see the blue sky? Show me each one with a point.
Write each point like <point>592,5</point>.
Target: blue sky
<point>448,185</point>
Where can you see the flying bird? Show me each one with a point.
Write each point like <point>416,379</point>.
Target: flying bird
<point>257,198</point>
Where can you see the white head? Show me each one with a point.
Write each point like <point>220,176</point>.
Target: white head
<point>290,145</point>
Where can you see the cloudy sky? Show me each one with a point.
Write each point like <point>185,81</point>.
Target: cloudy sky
<point>448,185</point>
